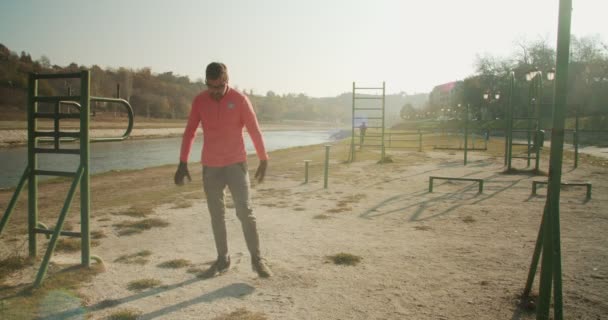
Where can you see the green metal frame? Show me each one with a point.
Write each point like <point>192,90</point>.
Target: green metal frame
<point>432,178</point>
<point>354,118</point>
<point>587,185</point>
<point>549,239</point>
<point>80,177</point>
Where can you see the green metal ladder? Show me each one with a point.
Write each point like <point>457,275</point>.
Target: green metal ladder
<point>81,177</point>
<point>378,115</point>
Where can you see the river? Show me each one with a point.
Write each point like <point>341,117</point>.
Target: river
<point>139,153</point>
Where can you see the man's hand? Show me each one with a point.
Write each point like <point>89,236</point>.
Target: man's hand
<point>261,171</point>
<point>182,171</point>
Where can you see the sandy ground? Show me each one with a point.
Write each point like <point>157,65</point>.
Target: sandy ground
<point>450,254</point>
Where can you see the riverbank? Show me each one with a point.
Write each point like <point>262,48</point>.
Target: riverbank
<point>450,254</point>
<point>14,133</point>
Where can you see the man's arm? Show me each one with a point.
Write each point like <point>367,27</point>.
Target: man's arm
<point>189,134</point>
<point>187,140</point>
<point>253,128</point>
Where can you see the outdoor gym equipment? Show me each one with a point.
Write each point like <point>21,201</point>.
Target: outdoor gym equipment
<point>479,181</point>
<point>374,121</point>
<point>82,103</point>
<point>587,185</point>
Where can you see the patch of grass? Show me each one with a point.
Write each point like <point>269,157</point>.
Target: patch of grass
<point>321,217</point>
<point>136,212</point>
<point>422,228</point>
<point>196,270</point>
<point>136,258</point>
<point>242,314</point>
<point>468,219</point>
<point>182,204</point>
<point>299,209</point>
<point>24,303</point>
<point>98,234</point>
<point>142,284</point>
<point>345,259</point>
<point>132,227</point>
<point>125,314</point>
<point>13,263</point>
<point>72,244</point>
<point>339,209</point>
<point>68,245</point>
<point>175,264</point>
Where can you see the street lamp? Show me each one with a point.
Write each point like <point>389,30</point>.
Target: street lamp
<point>489,98</point>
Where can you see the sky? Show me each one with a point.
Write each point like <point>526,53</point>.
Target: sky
<point>315,47</point>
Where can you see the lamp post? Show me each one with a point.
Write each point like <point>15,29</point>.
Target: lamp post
<point>537,75</point>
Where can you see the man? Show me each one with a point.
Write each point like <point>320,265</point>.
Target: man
<point>362,129</point>
<point>223,112</point>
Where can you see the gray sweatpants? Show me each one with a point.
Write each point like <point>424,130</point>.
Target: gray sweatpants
<point>215,180</point>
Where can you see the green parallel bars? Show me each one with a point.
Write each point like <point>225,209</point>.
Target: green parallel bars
<point>85,155</point>
<point>32,144</point>
<point>549,231</point>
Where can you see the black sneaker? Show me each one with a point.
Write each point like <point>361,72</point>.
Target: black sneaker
<point>260,267</point>
<point>220,266</point>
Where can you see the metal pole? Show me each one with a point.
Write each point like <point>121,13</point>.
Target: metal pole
<point>539,93</point>
<point>306,170</point>
<point>466,133</point>
<point>32,160</point>
<point>551,269</point>
<point>575,138</point>
<point>85,186</point>
<point>509,153</point>
<point>383,93</point>
<point>326,166</point>
<point>419,140</point>
<point>352,141</point>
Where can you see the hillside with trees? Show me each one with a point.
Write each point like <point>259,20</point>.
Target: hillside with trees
<point>167,95</point>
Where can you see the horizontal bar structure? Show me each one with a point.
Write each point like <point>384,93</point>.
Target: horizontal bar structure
<point>54,173</point>
<point>363,88</point>
<point>45,115</point>
<point>375,109</point>
<point>457,148</point>
<point>369,118</point>
<point>57,75</point>
<point>53,134</point>
<point>55,99</point>
<point>479,181</point>
<point>57,151</point>
<point>523,157</point>
<point>63,233</point>
<point>564,184</point>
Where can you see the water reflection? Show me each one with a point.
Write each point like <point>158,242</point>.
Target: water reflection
<point>137,154</point>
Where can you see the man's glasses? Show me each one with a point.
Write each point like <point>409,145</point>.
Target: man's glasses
<point>218,87</point>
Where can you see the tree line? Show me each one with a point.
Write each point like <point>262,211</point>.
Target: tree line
<point>486,92</point>
<point>166,95</point>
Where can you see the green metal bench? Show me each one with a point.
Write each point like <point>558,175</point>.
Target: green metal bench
<point>566,184</point>
<point>431,178</point>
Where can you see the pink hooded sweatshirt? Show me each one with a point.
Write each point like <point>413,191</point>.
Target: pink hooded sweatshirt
<point>222,123</point>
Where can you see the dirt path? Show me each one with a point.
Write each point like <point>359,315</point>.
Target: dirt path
<point>450,254</point>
